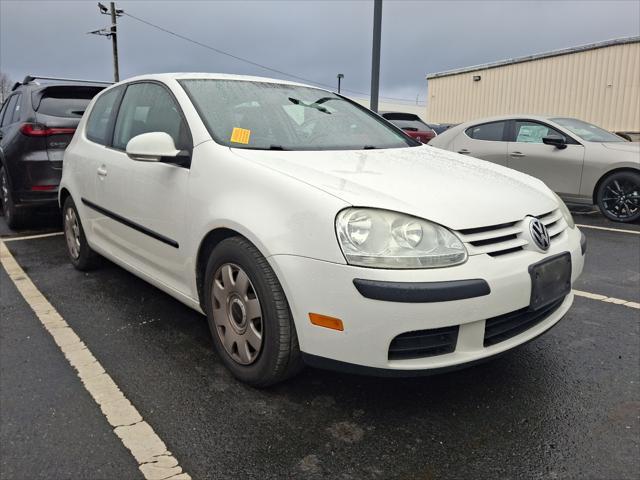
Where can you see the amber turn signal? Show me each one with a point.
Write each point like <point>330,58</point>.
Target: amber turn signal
<point>325,321</point>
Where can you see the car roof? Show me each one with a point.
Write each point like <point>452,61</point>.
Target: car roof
<point>165,77</point>
<point>525,116</point>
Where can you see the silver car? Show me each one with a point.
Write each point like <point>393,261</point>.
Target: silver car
<point>583,163</point>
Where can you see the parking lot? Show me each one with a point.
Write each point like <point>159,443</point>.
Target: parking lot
<point>563,406</point>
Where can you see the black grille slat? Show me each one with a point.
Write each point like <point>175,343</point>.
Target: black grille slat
<point>424,343</point>
<point>503,327</point>
<point>490,241</point>
<point>469,231</point>
<point>504,252</point>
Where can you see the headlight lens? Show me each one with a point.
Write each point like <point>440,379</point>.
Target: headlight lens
<point>565,212</point>
<point>383,239</point>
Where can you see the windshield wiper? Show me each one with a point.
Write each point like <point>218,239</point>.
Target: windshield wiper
<point>270,147</point>
<point>315,105</point>
<point>369,147</point>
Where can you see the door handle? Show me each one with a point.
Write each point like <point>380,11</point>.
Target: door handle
<point>464,151</point>
<point>517,154</point>
<point>102,171</point>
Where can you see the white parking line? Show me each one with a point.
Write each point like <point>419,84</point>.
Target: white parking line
<point>604,298</point>
<point>621,230</point>
<point>154,460</point>
<point>30,237</point>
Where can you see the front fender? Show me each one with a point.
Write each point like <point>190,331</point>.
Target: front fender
<point>277,213</point>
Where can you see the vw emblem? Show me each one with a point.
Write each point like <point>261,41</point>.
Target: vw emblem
<point>540,234</point>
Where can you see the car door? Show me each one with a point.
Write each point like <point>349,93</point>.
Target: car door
<point>559,168</point>
<point>143,203</point>
<point>486,141</point>
<point>87,159</point>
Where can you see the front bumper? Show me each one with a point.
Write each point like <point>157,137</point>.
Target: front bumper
<point>370,325</point>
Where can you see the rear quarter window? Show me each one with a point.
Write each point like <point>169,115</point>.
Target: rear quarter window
<point>493,131</point>
<point>101,117</point>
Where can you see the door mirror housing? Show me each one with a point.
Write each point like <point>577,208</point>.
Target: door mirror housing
<point>152,147</point>
<point>555,140</point>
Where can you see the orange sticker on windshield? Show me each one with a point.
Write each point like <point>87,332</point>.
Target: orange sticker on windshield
<point>240,135</point>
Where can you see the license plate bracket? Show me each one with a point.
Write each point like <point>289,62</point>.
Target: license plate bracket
<point>550,280</point>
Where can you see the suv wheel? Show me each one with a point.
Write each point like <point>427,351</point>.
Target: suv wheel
<point>12,216</point>
<point>618,196</point>
<point>79,251</point>
<point>249,317</point>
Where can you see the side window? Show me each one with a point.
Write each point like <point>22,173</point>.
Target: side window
<point>16,110</point>
<point>493,131</point>
<point>100,118</point>
<point>533,132</point>
<point>8,114</point>
<point>149,107</point>
<point>3,109</point>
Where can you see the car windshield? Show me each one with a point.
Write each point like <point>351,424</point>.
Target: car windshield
<point>587,131</point>
<point>272,116</point>
<point>407,122</point>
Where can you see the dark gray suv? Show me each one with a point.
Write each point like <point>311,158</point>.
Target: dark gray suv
<point>37,122</point>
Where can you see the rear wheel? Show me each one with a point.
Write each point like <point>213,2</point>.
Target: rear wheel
<point>252,327</point>
<point>618,196</point>
<point>79,251</point>
<point>12,215</point>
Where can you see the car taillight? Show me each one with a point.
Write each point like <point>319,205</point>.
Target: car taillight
<point>38,130</point>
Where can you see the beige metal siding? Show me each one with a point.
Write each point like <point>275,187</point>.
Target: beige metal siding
<point>601,86</point>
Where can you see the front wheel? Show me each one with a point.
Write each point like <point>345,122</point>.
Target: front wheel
<point>618,196</point>
<point>249,317</point>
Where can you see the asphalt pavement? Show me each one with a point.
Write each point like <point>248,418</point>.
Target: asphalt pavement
<point>566,405</point>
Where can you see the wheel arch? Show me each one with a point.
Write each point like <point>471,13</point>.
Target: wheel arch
<point>608,174</point>
<point>207,244</point>
<point>62,196</point>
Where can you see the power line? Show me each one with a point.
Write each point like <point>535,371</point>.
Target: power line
<point>250,62</point>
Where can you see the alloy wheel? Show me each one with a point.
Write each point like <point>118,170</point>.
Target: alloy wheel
<point>621,198</point>
<point>237,314</point>
<point>72,232</point>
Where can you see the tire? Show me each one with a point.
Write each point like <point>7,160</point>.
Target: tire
<point>258,350</point>
<point>12,216</point>
<point>618,196</point>
<point>82,257</point>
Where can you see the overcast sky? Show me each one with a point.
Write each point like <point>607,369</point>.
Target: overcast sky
<point>308,38</point>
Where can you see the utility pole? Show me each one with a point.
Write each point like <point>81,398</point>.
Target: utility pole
<point>340,77</point>
<point>375,55</point>
<point>111,31</point>
<point>114,42</point>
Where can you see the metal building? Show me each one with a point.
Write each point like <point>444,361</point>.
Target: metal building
<point>599,83</point>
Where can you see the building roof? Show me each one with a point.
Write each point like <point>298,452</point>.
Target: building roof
<point>529,58</point>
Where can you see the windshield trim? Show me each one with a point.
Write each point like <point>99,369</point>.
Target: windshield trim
<point>571,130</point>
<point>410,142</point>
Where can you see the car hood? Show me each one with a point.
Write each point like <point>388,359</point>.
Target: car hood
<point>631,147</point>
<point>444,187</point>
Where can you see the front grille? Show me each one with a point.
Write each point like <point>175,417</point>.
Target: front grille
<point>506,238</point>
<point>501,328</point>
<point>424,343</point>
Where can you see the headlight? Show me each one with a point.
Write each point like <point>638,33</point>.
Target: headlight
<point>565,212</point>
<point>383,239</point>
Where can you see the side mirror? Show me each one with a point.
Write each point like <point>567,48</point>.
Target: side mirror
<point>555,140</point>
<point>152,147</point>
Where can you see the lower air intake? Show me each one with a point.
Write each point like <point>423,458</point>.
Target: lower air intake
<point>424,343</point>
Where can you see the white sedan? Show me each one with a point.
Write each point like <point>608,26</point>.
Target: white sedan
<point>310,230</point>
<point>581,162</point>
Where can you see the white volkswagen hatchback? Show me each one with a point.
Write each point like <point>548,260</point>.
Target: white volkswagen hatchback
<point>310,230</point>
